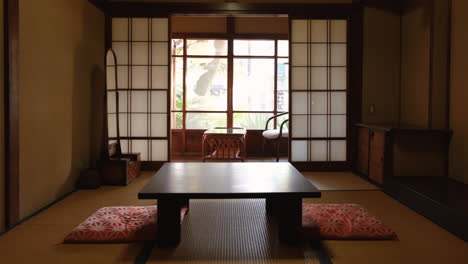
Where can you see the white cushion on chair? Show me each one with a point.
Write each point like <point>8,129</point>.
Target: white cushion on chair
<point>274,133</point>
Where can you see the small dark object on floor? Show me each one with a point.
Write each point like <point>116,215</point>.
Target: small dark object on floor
<point>89,179</point>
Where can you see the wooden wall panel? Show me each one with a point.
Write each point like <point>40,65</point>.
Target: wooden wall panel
<point>415,65</point>
<point>459,92</point>
<point>198,24</point>
<point>62,53</point>
<point>262,25</point>
<point>2,126</point>
<point>381,66</point>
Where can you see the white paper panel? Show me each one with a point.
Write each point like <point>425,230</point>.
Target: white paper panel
<point>318,126</point>
<point>338,78</point>
<point>120,29</point>
<point>338,125</point>
<point>123,118</point>
<point>299,103</point>
<point>299,30</point>
<point>318,103</point>
<point>140,53</point>
<point>159,125</point>
<point>338,103</point>
<point>139,125</point>
<point>139,101</point>
<point>111,125</point>
<point>121,52</point>
<point>140,77</point>
<point>299,54</point>
<point>318,55</point>
<point>299,126</point>
<point>298,150</point>
<point>319,78</point>
<point>123,101</point>
<point>160,29</point>
<point>338,54</point>
<point>122,77</point>
<point>338,30</point>
<point>124,146</point>
<point>110,76</point>
<point>158,102</point>
<point>159,78</point>
<point>318,30</point>
<point>141,146</point>
<point>338,150</point>
<point>160,53</point>
<point>318,150</point>
<point>299,78</point>
<point>111,102</point>
<point>140,27</point>
<point>159,150</point>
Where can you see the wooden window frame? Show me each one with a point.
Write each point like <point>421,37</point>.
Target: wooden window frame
<point>230,37</point>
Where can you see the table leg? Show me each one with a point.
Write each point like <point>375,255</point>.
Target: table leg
<point>271,206</point>
<point>290,220</point>
<point>168,222</point>
<point>185,203</point>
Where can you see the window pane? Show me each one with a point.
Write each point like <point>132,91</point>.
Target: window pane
<point>206,84</point>
<point>177,83</point>
<point>205,120</point>
<point>206,47</point>
<point>283,48</point>
<point>338,150</point>
<point>282,85</point>
<point>177,120</point>
<point>254,47</point>
<point>254,84</point>
<point>177,47</point>
<point>299,150</point>
<point>251,120</point>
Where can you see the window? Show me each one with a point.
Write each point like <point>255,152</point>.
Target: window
<point>202,94</point>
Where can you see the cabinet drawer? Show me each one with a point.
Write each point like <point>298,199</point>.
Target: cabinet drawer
<point>363,151</point>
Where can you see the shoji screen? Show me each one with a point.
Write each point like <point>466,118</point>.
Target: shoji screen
<point>319,90</point>
<point>141,46</point>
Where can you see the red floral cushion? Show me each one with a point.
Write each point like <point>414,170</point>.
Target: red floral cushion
<point>118,224</point>
<point>342,222</point>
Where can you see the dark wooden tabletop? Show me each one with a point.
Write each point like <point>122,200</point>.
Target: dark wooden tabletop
<point>228,180</point>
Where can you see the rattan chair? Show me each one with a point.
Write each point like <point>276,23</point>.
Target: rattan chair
<point>276,136</point>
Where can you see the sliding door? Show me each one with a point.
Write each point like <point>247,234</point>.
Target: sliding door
<point>319,92</point>
<point>141,47</point>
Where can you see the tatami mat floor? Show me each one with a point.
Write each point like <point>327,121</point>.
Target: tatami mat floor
<point>420,241</point>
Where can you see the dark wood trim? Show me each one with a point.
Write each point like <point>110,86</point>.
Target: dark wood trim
<point>445,217</point>
<point>322,166</point>
<point>355,62</point>
<point>147,9</point>
<point>430,100</point>
<point>230,35</point>
<point>394,6</point>
<point>169,87</point>
<point>449,64</point>
<point>100,4</point>
<point>230,29</point>
<point>11,41</point>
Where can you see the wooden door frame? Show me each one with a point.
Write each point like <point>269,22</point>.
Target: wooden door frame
<point>11,108</point>
<point>353,12</point>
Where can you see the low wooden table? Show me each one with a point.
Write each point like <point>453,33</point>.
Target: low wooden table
<point>224,144</point>
<point>280,184</point>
